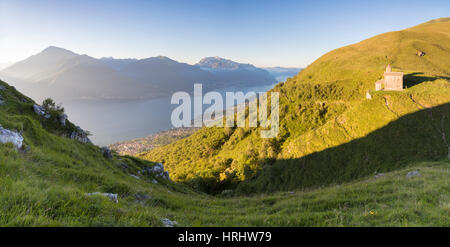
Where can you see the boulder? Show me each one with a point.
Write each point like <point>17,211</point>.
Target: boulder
<point>2,88</point>
<point>80,135</point>
<point>379,175</point>
<point>106,152</point>
<point>168,223</point>
<point>156,170</point>
<point>134,176</point>
<point>62,119</point>
<point>9,136</point>
<point>111,196</point>
<point>415,173</point>
<point>40,111</point>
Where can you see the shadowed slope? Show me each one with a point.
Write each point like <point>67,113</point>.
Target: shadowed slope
<point>324,106</point>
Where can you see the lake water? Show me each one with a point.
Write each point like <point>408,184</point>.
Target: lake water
<point>113,121</point>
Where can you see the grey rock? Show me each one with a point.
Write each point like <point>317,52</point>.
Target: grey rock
<point>2,87</point>
<point>155,181</point>
<point>9,136</point>
<point>111,196</point>
<point>156,170</point>
<point>134,176</point>
<point>40,111</point>
<point>80,135</point>
<point>378,175</point>
<point>166,175</point>
<point>414,173</point>
<point>169,223</point>
<point>107,152</point>
<point>62,119</point>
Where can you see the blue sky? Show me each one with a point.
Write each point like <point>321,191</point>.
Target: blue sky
<point>264,33</point>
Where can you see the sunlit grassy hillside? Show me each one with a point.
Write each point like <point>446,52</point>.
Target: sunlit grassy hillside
<point>325,106</point>
<point>322,170</point>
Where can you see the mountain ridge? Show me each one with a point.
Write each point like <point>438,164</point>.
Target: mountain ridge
<point>59,71</point>
<point>391,173</point>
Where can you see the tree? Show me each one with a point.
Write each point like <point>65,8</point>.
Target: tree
<point>50,106</point>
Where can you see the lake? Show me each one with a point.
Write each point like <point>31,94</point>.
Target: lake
<point>111,121</point>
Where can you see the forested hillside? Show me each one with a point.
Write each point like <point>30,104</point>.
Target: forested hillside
<point>330,131</point>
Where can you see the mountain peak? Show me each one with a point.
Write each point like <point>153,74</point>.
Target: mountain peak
<point>53,50</point>
<point>218,63</point>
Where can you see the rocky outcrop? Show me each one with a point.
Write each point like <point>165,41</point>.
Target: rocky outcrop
<point>9,136</point>
<point>413,174</point>
<point>40,111</point>
<point>62,119</point>
<point>168,223</point>
<point>157,170</point>
<point>80,135</point>
<point>111,196</point>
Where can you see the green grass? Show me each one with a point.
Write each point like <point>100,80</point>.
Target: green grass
<point>323,107</point>
<point>318,172</point>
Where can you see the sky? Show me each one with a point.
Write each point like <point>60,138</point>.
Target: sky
<point>263,33</point>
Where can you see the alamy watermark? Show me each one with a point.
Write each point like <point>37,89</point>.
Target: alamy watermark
<point>213,115</point>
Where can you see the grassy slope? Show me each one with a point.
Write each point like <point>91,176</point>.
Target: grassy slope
<point>47,183</point>
<point>47,186</point>
<point>324,106</point>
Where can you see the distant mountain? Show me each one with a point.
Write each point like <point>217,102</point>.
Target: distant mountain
<point>64,75</point>
<point>40,65</point>
<point>117,64</point>
<point>218,63</point>
<point>170,75</point>
<point>233,73</point>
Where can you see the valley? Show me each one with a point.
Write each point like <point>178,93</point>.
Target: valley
<point>341,158</point>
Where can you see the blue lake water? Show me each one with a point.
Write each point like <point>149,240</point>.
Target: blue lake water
<point>112,121</point>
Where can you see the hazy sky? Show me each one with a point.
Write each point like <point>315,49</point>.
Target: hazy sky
<point>264,33</point>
